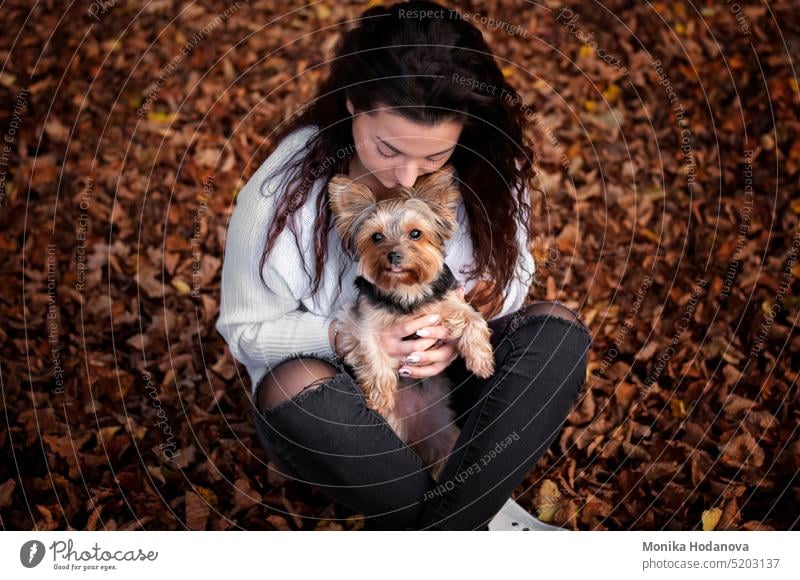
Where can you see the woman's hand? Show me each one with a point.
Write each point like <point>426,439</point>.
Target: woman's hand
<point>425,327</point>
<point>430,362</point>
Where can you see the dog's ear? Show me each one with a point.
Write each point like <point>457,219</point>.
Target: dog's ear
<point>441,192</point>
<point>439,188</point>
<point>348,201</point>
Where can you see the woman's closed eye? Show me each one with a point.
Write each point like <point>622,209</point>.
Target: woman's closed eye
<point>428,159</point>
<point>437,159</point>
<point>392,156</point>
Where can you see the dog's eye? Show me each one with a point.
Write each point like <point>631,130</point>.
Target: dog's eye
<point>415,234</point>
<point>376,237</point>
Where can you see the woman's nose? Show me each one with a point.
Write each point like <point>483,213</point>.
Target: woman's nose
<point>406,175</point>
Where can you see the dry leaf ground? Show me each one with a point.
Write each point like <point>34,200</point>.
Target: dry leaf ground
<point>667,136</point>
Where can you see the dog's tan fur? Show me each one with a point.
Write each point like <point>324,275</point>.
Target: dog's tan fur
<point>417,409</point>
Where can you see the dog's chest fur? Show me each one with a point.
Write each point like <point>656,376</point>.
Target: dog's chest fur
<point>376,300</point>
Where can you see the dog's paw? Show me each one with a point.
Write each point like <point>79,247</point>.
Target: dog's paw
<point>482,366</point>
<point>479,358</point>
<point>476,348</point>
<point>381,393</point>
<point>381,404</point>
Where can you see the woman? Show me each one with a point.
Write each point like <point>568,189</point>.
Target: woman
<point>404,97</point>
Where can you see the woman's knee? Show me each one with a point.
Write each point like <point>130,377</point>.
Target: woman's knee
<point>552,308</point>
<point>289,379</point>
<point>544,310</point>
<point>559,334</point>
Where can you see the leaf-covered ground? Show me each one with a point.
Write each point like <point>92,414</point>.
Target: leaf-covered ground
<point>667,136</point>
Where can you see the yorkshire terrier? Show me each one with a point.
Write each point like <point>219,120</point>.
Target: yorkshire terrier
<point>400,246</point>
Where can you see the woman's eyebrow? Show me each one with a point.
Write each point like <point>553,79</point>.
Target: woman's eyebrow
<point>396,150</point>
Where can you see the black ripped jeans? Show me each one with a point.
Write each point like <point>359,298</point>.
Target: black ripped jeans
<point>328,437</point>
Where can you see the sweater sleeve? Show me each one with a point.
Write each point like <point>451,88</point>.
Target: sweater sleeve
<point>261,326</point>
<point>520,283</point>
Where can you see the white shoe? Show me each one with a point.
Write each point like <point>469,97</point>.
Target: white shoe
<point>513,517</point>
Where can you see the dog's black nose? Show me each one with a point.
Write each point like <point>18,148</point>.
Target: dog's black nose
<point>395,258</point>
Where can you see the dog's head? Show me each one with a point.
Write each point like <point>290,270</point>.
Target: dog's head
<point>399,242</point>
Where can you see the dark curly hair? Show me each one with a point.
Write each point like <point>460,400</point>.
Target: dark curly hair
<point>428,69</point>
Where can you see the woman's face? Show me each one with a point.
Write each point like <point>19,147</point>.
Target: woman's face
<point>396,151</point>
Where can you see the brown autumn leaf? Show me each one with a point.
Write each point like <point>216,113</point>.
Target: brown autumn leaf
<point>548,501</point>
<point>742,451</point>
<point>6,492</point>
<point>197,511</point>
<point>244,495</point>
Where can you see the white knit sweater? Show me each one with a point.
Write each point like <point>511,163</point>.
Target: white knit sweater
<point>260,327</point>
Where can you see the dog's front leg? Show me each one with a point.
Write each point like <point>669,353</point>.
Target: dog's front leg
<point>475,345</point>
<point>382,389</point>
<point>376,375</point>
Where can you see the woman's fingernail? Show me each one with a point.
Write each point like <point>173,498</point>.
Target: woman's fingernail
<point>412,358</point>
<point>404,372</point>
<point>423,332</point>
<point>433,318</point>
